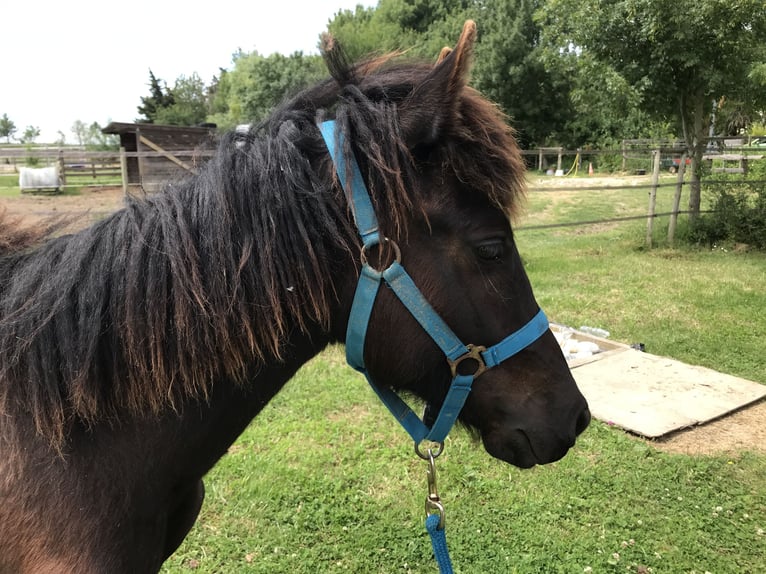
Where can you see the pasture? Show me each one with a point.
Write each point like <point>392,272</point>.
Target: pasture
<point>324,480</point>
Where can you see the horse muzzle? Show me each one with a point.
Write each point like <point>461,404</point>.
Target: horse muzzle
<point>524,441</point>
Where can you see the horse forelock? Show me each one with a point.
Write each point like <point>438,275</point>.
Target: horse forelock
<point>473,141</point>
<point>147,308</point>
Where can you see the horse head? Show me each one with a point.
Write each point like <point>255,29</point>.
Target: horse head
<point>445,178</point>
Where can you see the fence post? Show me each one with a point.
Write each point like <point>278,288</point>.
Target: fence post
<point>624,155</point>
<point>62,168</point>
<point>677,199</point>
<point>124,170</point>
<point>653,197</point>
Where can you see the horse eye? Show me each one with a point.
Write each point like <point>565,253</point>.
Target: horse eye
<point>490,251</point>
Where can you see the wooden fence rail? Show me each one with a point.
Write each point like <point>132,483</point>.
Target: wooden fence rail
<point>79,168</point>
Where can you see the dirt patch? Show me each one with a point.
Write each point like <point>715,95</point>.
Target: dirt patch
<point>92,204</point>
<point>740,431</point>
<point>744,430</point>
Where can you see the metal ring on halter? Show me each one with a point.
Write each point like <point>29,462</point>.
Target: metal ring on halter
<point>397,252</point>
<point>430,452</point>
<point>474,354</point>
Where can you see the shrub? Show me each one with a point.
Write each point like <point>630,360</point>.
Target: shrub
<point>738,210</point>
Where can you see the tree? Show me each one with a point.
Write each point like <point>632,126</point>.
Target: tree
<point>97,140</point>
<point>362,32</point>
<point>80,131</point>
<point>420,27</point>
<point>680,56</point>
<point>31,133</point>
<point>511,70</point>
<point>509,65</point>
<point>258,83</point>
<point>159,97</point>
<point>218,96</point>
<point>187,104</point>
<point>7,128</point>
<point>92,137</point>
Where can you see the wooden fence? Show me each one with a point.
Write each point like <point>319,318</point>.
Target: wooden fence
<point>81,168</point>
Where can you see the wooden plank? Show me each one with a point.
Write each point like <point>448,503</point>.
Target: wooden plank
<point>166,154</point>
<point>652,395</point>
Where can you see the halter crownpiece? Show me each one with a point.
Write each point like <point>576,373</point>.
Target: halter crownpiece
<point>405,289</point>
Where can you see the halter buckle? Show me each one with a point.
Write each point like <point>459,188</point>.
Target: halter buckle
<point>474,354</point>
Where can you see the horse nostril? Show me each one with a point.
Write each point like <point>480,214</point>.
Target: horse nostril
<point>583,420</point>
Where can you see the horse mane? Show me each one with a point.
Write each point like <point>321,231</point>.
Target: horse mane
<point>146,308</point>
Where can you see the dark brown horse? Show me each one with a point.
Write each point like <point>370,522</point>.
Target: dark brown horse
<point>133,353</point>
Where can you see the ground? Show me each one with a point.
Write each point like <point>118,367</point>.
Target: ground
<point>743,430</point>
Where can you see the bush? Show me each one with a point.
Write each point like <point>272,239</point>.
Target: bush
<point>738,211</point>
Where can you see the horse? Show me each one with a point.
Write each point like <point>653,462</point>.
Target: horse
<point>134,352</point>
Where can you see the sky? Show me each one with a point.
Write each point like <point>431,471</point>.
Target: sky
<point>89,60</point>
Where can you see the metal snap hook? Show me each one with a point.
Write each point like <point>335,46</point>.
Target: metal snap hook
<point>433,501</point>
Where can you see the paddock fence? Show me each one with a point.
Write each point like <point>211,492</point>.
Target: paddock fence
<point>80,168</point>
<point>656,169</point>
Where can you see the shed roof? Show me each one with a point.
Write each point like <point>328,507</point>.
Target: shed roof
<point>120,128</point>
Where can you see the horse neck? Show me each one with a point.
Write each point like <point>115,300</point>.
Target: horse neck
<point>208,281</point>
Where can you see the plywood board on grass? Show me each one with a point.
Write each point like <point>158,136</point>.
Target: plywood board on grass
<point>653,396</point>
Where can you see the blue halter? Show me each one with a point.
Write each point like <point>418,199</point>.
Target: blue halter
<point>402,285</point>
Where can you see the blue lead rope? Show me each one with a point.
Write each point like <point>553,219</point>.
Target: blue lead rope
<point>439,544</point>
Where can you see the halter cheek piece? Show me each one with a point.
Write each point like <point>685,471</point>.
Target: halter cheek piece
<point>402,285</point>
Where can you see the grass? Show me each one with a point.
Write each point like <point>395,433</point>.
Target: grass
<point>9,184</point>
<point>325,481</point>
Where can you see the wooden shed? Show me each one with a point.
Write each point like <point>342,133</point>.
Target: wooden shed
<point>154,153</point>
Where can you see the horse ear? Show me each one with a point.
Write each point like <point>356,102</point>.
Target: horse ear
<point>446,51</point>
<point>433,103</point>
<point>336,59</point>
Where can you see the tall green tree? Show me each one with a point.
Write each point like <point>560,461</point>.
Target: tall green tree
<point>186,103</point>
<point>7,128</point>
<point>509,65</point>
<point>80,131</point>
<point>218,94</point>
<point>680,56</point>
<point>159,97</point>
<point>363,32</point>
<point>97,140</point>
<point>510,69</point>
<point>91,136</point>
<point>31,133</point>
<point>258,83</point>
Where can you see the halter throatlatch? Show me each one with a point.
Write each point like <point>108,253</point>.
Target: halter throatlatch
<point>403,286</point>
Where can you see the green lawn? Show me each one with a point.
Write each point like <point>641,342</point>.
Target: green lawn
<point>324,480</point>
<point>9,185</point>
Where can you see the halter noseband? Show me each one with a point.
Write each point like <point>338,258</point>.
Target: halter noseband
<point>402,285</point>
